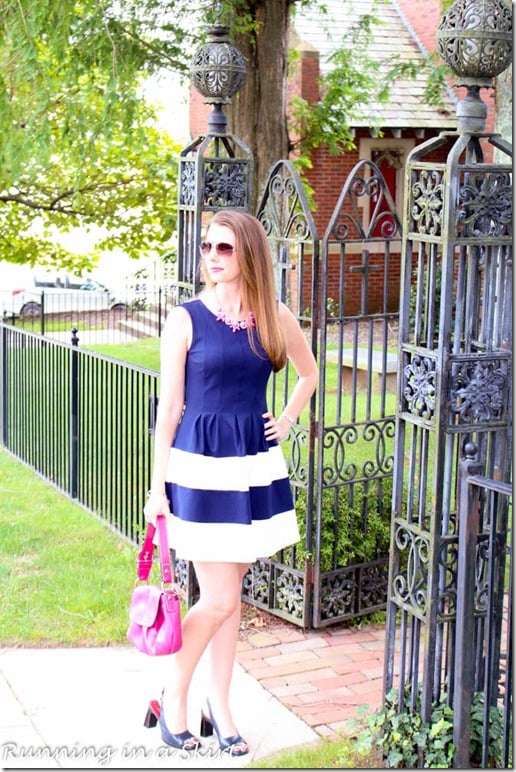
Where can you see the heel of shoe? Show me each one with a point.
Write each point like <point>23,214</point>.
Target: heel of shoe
<point>233,746</point>
<point>152,715</point>
<point>206,729</point>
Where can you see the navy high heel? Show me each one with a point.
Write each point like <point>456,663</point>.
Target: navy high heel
<point>185,741</point>
<point>235,746</point>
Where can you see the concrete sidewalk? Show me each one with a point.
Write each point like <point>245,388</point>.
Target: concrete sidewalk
<point>84,708</point>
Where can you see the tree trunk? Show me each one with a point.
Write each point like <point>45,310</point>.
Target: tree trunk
<point>257,114</point>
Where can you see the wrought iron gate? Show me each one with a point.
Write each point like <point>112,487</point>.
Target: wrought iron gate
<point>341,450</point>
<point>355,450</point>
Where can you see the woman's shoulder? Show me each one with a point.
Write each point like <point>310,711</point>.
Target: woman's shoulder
<point>179,316</point>
<point>188,305</point>
<point>284,311</point>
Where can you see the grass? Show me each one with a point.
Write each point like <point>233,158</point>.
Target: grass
<point>144,352</point>
<point>326,754</point>
<point>66,578</point>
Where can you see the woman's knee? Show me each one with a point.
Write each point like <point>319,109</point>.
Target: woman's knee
<point>220,590</point>
<point>224,606</point>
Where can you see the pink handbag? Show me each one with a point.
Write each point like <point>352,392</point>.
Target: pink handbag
<point>155,612</point>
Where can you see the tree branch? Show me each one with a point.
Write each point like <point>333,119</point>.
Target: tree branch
<point>58,203</point>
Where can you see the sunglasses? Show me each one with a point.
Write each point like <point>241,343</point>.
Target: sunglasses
<point>222,248</point>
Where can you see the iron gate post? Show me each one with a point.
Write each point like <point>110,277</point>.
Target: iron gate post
<point>215,170</point>
<point>455,353</point>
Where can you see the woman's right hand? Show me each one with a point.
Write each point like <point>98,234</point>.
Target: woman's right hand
<point>157,504</point>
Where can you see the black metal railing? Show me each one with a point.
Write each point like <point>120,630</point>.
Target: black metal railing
<point>82,420</point>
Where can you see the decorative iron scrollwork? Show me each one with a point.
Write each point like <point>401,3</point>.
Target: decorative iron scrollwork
<point>337,595</point>
<point>187,186</point>
<point>419,386</point>
<point>347,222</point>
<point>338,439</point>
<point>373,584</point>
<point>297,459</point>
<point>474,39</point>
<point>485,205</point>
<point>290,593</point>
<point>257,581</point>
<point>218,68</point>
<point>410,586</point>
<point>225,184</point>
<point>448,561</point>
<point>181,573</point>
<point>428,202</point>
<point>482,582</point>
<point>478,392</point>
<point>283,214</point>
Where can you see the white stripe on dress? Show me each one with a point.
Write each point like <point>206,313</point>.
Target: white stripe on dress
<point>233,473</point>
<point>230,542</point>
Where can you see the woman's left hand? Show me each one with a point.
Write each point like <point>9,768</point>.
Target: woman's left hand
<point>276,429</point>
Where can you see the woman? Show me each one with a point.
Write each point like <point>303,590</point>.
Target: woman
<point>219,474</point>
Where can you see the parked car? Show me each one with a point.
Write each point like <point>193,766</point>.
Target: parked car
<point>57,294</point>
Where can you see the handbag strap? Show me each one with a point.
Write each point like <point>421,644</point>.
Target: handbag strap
<point>147,551</point>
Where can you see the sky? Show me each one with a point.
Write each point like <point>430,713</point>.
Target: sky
<point>171,98</point>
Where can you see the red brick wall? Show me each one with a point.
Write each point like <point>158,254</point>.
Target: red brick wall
<point>199,113</point>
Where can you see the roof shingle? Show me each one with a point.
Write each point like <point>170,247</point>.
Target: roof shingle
<point>393,38</point>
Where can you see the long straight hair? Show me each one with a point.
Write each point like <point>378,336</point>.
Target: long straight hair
<point>258,290</point>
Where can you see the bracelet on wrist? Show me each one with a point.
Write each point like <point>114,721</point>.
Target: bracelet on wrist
<point>288,417</point>
<point>155,493</point>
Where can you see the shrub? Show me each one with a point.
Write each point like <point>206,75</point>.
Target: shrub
<point>407,742</point>
<point>355,525</point>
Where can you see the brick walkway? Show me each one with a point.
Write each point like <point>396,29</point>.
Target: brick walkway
<point>325,677</point>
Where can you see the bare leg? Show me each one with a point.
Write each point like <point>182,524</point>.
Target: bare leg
<point>220,589</point>
<point>222,653</point>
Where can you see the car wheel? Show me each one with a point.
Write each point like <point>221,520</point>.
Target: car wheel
<point>30,309</point>
<point>118,307</point>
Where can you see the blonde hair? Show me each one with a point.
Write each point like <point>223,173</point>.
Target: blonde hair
<point>258,290</point>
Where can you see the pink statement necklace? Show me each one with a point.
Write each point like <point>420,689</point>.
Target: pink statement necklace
<point>243,324</point>
<point>235,326</point>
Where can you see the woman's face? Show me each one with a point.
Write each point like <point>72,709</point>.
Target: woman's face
<point>219,253</point>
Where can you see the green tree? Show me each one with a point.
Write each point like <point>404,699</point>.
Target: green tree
<point>80,146</point>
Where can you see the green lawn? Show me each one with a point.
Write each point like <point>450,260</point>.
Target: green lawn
<point>144,352</point>
<point>66,578</point>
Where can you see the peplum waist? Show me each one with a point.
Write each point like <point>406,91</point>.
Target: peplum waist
<point>222,434</point>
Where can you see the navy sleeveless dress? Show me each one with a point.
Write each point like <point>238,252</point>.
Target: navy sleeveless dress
<point>227,486</point>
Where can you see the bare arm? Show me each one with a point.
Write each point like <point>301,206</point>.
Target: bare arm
<point>175,342</point>
<point>305,365</point>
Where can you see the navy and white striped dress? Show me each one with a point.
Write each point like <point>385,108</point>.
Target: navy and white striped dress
<point>227,486</point>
